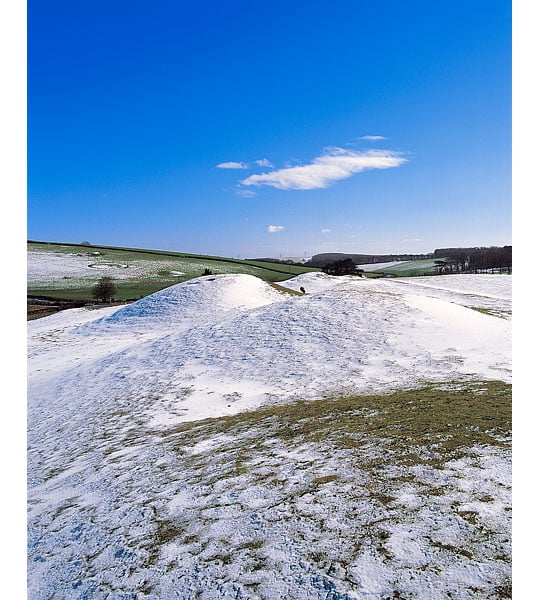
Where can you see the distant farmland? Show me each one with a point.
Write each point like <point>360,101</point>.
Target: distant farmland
<point>69,271</point>
<point>408,268</point>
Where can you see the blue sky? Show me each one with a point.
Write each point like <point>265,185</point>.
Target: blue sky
<point>283,128</point>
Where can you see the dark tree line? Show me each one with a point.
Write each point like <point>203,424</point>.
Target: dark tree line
<point>321,260</point>
<point>284,261</point>
<point>341,267</point>
<point>474,260</point>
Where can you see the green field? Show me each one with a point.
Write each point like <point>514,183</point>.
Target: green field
<point>136,272</point>
<point>410,268</point>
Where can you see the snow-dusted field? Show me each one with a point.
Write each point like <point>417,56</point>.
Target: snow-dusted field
<point>398,265</point>
<point>74,270</point>
<point>69,269</point>
<point>377,266</point>
<point>46,267</point>
<point>124,505</point>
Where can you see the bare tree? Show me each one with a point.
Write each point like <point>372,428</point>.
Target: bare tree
<point>104,290</point>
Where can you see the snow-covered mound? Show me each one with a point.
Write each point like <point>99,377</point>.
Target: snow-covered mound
<point>188,304</point>
<point>357,336</point>
<point>313,283</point>
<point>109,391</point>
<point>219,345</point>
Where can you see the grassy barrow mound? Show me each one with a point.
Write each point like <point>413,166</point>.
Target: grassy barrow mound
<point>412,486</point>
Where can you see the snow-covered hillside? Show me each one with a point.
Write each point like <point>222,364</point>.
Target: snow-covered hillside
<point>106,387</point>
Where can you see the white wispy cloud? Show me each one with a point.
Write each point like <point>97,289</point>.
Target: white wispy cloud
<point>232,165</point>
<point>263,162</point>
<point>333,165</point>
<point>246,193</point>
<point>373,138</point>
<point>274,228</point>
<point>325,230</point>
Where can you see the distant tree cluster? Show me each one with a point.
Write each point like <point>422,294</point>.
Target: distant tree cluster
<point>280,261</point>
<point>341,267</point>
<point>321,260</point>
<point>474,260</point>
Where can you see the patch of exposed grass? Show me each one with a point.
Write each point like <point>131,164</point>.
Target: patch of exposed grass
<point>492,312</point>
<point>326,479</point>
<point>190,539</point>
<point>468,515</point>
<point>251,545</point>
<point>504,591</point>
<point>296,451</point>
<point>168,530</point>
<point>285,290</point>
<point>445,419</point>
<point>450,548</point>
<point>486,498</point>
<point>428,426</point>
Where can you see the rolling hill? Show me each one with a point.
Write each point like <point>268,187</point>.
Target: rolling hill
<point>224,439</point>
<point>69,271</point>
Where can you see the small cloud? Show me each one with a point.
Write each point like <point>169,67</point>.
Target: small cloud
<point>373,138</point>
<point>334,164</point>
<point>264,162</point>
<point>324,230</point>
<point>274,228</point>
<point>232,165</point>
<point>246,193</point>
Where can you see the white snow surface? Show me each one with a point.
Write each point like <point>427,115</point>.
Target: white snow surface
<point>215,346</point>
<point>197,302</point>
<point>376,266</point>
<point>233,342</point>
